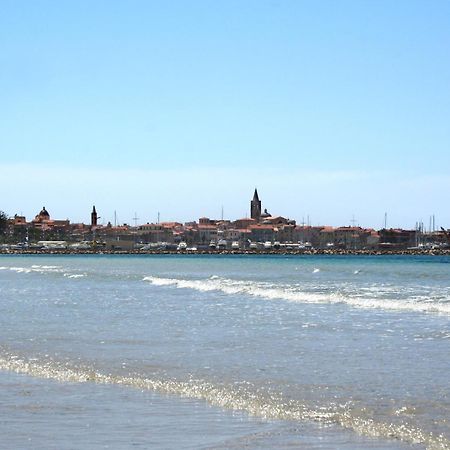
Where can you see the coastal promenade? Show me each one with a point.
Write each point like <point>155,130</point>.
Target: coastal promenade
<point>429,252</point>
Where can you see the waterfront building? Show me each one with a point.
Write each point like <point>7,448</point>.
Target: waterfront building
<point>206,221</point>
<point>19,220</point>
<point>327,237</point>
<point>243,223</point>
<point>42,217</point>
<point>372,239</point>
<point>355,238</point>
<point>306,233</point>
<point>44,222</point>
<point>240,235</point>
<point>276,220</point>
<point>286,233</point>
<point>154,232</point>
<point>207,233</point>
<point>397,238</point>
<point>263,233</point>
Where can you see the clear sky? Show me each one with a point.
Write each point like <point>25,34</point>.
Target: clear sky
<point>333,109</point>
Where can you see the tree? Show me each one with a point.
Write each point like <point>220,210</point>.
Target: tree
<point>3,221</point>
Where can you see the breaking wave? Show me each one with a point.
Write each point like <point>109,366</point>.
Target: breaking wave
<point>34,268</point>
<point>43,269</point>
<point>294,293</point>
<point>240,396</point>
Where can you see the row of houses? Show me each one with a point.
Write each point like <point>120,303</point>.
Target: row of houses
<point>320,237</point>
<point>264,228</point>
<point>225,233</point>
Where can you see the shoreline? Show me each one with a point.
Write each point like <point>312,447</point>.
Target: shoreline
<point>412,252</point>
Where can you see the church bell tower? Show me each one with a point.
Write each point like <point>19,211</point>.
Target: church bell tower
<point>255,207</point>
<point>93,217</point>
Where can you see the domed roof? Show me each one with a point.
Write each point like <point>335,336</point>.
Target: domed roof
<point>44,212</point>
<point>265,214</point>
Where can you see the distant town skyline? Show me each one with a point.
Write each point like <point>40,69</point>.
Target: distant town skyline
<point>432,222</point>
<point>333,110</point>
<point>262,231</point>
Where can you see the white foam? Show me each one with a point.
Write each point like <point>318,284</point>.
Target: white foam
<point>21,269</point>
<point>316,270</point>
<point>44,269</point>
<point>239,396</point>
<point>295,294</point>
<point>34,268</point>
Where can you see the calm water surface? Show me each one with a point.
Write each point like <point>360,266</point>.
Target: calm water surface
<point>314,352</point>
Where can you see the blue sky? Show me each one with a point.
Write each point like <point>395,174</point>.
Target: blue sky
<point>332,109</point>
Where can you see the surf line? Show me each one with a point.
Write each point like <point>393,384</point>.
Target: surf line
<point>238,398</point>
<point>293,294</point>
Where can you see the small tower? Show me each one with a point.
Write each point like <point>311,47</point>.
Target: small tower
<point>255,207</point>
<point>93,217</point>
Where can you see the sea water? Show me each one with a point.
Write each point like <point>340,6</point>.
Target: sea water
<point>312,352</point>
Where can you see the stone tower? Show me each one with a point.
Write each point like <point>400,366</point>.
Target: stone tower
<point>255,207</point>
<point>93,217</point>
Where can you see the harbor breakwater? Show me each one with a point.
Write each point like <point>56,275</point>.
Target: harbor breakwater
<point>430,252</point>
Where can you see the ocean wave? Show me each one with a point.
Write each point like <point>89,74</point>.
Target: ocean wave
<point>294,293</point>
<point>33,268</point>
<point>44,269</point>
<point>240,396</point>
<point>17,269</point>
